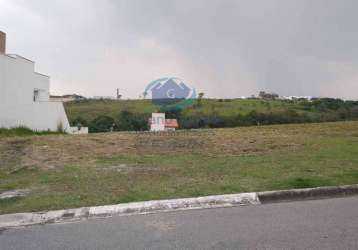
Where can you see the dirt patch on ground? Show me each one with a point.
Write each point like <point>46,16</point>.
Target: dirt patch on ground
<point>12,152</point>
<point>49,152</point>
<point>54,151</point>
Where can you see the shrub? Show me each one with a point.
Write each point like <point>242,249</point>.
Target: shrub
<point>328,103</point>
<point>127,121</point>
<point>101,124</point>
<point>23,131</point>
<point>305,105</point>
<point>79,122</point>
<point>343,113</point>
<point>354,112</point>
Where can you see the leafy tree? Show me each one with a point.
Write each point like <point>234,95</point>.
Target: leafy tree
<point>201,95</point>
<point>268,96</point>
<point>200,98</point>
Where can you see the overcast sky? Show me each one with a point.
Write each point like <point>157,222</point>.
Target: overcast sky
<point>224,48</point>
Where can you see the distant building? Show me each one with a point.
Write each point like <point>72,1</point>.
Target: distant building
<point>297,98</point>
<point>159,123</point>
<point>252,97</point>
<point>171,124</point>
<point>24,95</point>
<point>66,98</point>
<point>104,98</point>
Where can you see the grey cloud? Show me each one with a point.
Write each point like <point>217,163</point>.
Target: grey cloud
<point>227,48</point>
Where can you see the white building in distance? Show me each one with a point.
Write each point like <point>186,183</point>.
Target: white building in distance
<point>159,123</point>
<point>24,95</point>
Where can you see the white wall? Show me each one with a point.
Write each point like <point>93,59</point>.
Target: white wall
<point>157,122</point>
<point>17,107</point>
<point>79,131</point>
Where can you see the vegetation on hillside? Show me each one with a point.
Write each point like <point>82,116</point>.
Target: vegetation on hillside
<point>129,115</point>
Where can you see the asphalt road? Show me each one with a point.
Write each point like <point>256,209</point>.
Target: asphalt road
<point>319,224</point>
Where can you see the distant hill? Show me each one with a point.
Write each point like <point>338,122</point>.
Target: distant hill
<point>222,112</point>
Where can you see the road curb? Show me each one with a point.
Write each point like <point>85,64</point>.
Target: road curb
<point>307,193</point>
<point>27,219</point>
<point>232,200</point>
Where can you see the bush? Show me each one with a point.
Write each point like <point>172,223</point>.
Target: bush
<point>101,124</point>
<point>354,112</point>
<point>343,113</point>
<point>79,122</point>
<point>250,119</point>
<point>127,121</point>
<point>23,131</point>
<point>173,114</point>
<point>324,104</point>
<point>305,105</point>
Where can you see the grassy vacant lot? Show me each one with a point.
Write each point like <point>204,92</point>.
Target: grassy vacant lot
<point>71,171</point>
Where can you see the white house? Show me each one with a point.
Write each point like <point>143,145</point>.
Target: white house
<point>24,95</point>
<point>159,123</point>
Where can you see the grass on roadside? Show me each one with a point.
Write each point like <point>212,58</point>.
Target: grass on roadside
<point>23,131</point>
<point>125,167</point>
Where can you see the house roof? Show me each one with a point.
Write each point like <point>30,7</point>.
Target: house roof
<point>67,96</point>
<point>171,123</point>
<point>73,96</point>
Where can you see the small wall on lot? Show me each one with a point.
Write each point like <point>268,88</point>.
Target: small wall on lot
<point>79,131</point>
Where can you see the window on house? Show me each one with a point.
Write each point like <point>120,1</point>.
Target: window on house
<point>40,95</point>
<point>36,95</point>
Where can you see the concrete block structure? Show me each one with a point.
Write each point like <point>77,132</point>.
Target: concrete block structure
<point>159,123</point>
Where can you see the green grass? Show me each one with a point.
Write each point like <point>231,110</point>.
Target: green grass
<point>90,109</point>
<point>23,131</point>
<point>187,165</point>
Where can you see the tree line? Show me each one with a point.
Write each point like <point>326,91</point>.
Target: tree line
<point>318,110</point>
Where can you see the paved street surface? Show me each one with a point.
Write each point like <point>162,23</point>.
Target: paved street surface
<point>320,224</point>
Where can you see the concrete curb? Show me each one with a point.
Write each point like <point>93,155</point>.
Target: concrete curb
<point>307,193</point>
<point>68,215</point>
<point>27,219</point>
